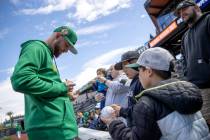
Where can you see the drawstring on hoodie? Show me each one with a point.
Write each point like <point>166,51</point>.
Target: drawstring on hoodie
<point>56,65</point>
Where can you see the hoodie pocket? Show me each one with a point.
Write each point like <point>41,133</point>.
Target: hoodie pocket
<point>68,111</point>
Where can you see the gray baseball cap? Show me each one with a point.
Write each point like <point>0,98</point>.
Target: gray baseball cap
<point>156,58</point>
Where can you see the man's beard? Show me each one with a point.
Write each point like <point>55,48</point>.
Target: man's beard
<point>192,18</point>
<point>56,51</point>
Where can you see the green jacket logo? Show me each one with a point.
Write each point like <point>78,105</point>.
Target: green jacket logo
<point>54,68</point>
<point>64,31</point>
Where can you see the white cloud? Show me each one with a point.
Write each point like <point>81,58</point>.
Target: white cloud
<point>10,100</point>
<point>143,16</point>
<point>105,58</point>
<point>52,6</point>
<point>3,33</point>
<point>90,10</point>
<point>104,61</point>
<point>87,10</point>
<point>96,28</point>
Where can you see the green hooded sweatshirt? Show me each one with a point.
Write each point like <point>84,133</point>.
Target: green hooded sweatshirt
<point>46,102</point>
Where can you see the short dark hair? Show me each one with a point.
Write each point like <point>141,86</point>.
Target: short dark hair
<point>102,70</point>
<point>163,74</point>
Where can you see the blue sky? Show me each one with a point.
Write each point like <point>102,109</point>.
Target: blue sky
<point>105,30</point>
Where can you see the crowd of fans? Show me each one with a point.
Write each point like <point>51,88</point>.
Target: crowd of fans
<point>91,119</point>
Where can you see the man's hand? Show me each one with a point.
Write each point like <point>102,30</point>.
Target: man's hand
<point>73,96</point>
<point>70,85</point>
<point>99,97</point>
<point>116,108</point>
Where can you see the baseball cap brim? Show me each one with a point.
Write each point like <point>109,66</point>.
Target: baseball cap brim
<point>134,66</point>
<point>72,48</point>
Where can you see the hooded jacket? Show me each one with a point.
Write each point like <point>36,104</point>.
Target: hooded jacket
<point>46,102</point>
<point>196,52</point>
<point>169,111</point>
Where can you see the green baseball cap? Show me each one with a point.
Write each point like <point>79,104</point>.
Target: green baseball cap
<point>69,35</point>
<point>134,65</point>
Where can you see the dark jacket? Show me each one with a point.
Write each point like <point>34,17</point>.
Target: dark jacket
<point>163,110</point>
<point>196,52</point>
<point>134,89</point>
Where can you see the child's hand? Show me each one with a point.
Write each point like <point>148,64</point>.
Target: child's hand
<point>101,79</point>
<point>99,97</point>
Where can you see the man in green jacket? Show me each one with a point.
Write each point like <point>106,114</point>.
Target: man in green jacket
<point>49,114</point>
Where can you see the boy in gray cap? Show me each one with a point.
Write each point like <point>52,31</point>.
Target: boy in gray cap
<point>168,109</point>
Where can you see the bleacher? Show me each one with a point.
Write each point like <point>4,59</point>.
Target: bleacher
<point>85,102</point>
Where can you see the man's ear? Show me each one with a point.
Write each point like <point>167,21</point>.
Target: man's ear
<point>150,72</point>
<point>197,8</point>
<point>57,34</point>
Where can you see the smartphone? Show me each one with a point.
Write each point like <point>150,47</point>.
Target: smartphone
<point>73,84</point>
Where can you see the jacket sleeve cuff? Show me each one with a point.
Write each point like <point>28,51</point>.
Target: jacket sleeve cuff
<point>123,112</point>
<point>64,89</point>
<point>114,128</point>
<point>114,123</point>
